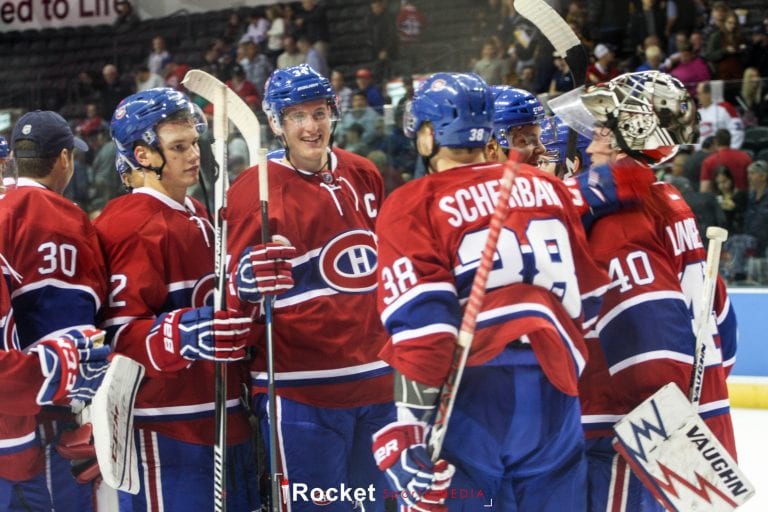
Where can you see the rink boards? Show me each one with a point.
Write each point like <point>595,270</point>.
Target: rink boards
<point>748,384</point>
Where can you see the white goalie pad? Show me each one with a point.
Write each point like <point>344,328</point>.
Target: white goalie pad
<point>678,458</point>
<point>112,419</point>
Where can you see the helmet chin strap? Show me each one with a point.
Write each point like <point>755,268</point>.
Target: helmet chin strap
<point>428,158</point>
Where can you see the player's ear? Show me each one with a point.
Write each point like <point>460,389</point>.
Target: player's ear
<point>143,155</point>
<point>425,140</point>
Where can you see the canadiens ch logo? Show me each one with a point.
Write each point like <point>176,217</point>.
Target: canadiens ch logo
<point>348,262</point>
<point>202,293</point>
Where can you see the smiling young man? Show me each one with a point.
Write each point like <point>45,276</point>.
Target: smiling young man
<point>333,392</point>
<point>158,244</point>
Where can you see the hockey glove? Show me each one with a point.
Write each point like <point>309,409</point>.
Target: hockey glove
<point>72,366</point>
<point>77,446</point>
<point>400,451</point>
<point>264,269</point>
<point>192,334</point>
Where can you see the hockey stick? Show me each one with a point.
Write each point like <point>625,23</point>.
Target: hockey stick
<point>567,44</point>
<point>205,85</point>
<point>268,306</point>
<point>717,236</point>
<point>668,445</point>
<point>450,388</point>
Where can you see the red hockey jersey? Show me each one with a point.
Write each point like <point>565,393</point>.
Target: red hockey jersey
<point>544,288</point>
<point>54,270</point>
<point>160,257</point>
<point>326,331</point>
<point>644,337</point>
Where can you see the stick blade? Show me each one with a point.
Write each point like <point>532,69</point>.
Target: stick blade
<point>678,458</point>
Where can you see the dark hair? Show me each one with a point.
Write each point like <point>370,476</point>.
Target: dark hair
<point>723,138</point>
<point>722,170</point>
<point>35,167</point>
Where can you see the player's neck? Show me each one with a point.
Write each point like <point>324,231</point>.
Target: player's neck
<point>178,194</point>
<point>448,158</point>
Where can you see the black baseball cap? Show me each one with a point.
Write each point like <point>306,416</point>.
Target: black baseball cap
<point>50,133</point>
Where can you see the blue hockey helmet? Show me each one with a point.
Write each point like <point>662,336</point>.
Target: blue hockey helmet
<point>515,107</point>
<point>5,149</point>
<point>459,106</point>
<point>554,136</point>
<point>496,90</point>
<point>137,116</point>
<point>292,86</point>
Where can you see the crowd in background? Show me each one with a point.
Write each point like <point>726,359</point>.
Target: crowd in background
<point>707,45</point>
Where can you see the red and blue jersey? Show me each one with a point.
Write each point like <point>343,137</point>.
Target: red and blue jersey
<point>326,330</point>
<point>645,335</point>
<point>543,289</point>
<point>54,270</point>
<point>160,257</point>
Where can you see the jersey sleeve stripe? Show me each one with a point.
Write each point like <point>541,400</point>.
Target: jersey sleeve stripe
<point>650,356</point>
<point>409,334</point>
<point>416,292</point>
<point>57,283</point>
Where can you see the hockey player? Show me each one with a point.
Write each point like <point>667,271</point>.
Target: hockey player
<point>333,392</point>
<point>57,371</point>
<point>645,235</point>
<point>514,437</point>
<point>51,244</point>
<point>158,245</point>
<point>554,136</point>
<point>517,116</point>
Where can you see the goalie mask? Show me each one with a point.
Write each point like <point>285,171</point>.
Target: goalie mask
<point>650,113</point>
<point>459,106</point>
<point>292,86</point>
<point>137,117</point>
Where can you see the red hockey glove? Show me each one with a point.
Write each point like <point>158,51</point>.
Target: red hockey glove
<point>191,334</point>
<point>264,269</point>
<point>77,446</point>
<point>400,451</point>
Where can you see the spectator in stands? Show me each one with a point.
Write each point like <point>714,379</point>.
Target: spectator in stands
<point>113,90</point>
<point>732,201</point>
<point>256,65</point>
<point>277,29</point>
<point>361,114</point>
<point>725,49</point>
<point>312,57</point>
<point>735,160</point>
<point>752,100</point>
<point>85,90</point>
<point>756,214</point>
<point>410,24</point>
<point>390,175</point>
<point>607,21</point>
<point>603,68</point>
<point>491,66</point>
<point>126,19</point>
<point>291,55</point>
<point>159,57</point>
<point>526,79</point>
<point>145,79</point>
<point>716,116</point>
<point>343,92</point>
<point>90,125</point>
<point>653,59</point>
<point>311,21</point>
<point>687,67</point>
<point>244,88</point>
<point>106,182</point>
<point>381,39</point>
<point>234,29</point>
<point>756,53</point>
<point>174,74</point>
<point>692,166</point>
<point>353,139</point>
<point>649,20</point>
<point>703,204</point>
<point>257,28</point>
<point>562,80</point>
<point>366,85</point>
<point>717,17</point>
<point>681,17</point>
<point>212,62</point>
